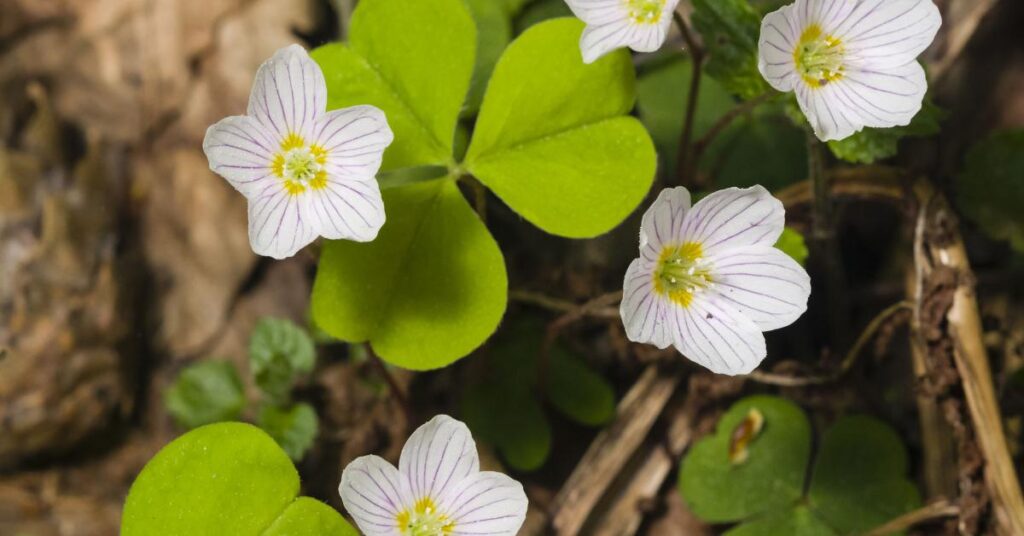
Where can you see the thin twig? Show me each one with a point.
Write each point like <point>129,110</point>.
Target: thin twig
<point>559,305</point>
<point>848,360</point>
<point>685,154</point>
<point>937,510</point>
<point>557,325</point>
<point>740,109</point>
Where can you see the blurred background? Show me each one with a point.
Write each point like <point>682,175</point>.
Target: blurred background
<point>123,259</point>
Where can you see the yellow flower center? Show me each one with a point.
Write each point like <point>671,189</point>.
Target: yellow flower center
<point>299,165</point>
<point>645,11</point>
<point>681,272</point>
<point>424,520</point>
<point>819,57</point>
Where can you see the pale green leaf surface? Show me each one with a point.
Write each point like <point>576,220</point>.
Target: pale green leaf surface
<point>279,352</point>
<point>227,478</point>
<point>770,479</point>
<point>204,393</point>
<point>306,517</point>
<point>555,149</point>
<point>414,60</point>
<point>493,33</point>
<point>859,478</point>
<point>293,428</point>
<point>430,288</point>
<point>540,11</point>
<point>990,190</point>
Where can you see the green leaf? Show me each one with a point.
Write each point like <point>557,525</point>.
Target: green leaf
<point>872,144</point>
<point>279,352</point>
<point>412,59</point>
<point>577,391</point>
<point>792,243</point>
<point>430,288</point>
<point>765,137</point>
<point>990,190</point>
<point>513,6</point>
<point>228,478</point>
<point>552,140</point>
<point>859,479</point>
<point>770,479</point>
<point>662,94</point>
<point>798,521</point>
<point>308,516</point>
<point>294,428</point>
<point>508,416</point>
<point>730,29</point>
<point>493,33</point>
<point>204,393</point>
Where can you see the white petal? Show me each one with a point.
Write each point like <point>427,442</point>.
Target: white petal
<point>713,334</point>
<point>355,139</point>
<point>598,11</point>
<point>241,150</point>
<point>289,92</point>
<point>346,209</point>
<point>663,220</point>
<point>828,116</point>
<point>600,39</point>
<point>886,33</point>
<point>734,217</point>
<point>374,493</point>
<point>279,223</point>
<point>438,456</point>
<point>779,35</point>
<point>763,284</point>
<point>884,98</point>
<point>486,503</point>
<point>643,311</point>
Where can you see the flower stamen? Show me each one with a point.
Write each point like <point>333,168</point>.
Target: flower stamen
<point>681,272</point>
<point>819,57</point>
<point>645,11</point>
<point>300,165</point>
<point>424,520</point>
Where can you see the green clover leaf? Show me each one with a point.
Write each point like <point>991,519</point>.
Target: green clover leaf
<point>293,428</point>
<point>205,393</point>
<point>990,189</point>
<point>227,478</point>
<point>279,351</point>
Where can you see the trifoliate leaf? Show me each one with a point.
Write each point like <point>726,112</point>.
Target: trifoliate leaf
<point>990,190</point>
<point>872,144</point>
<point>508,416</point>
<point>797,521</point>
<point>577,391</point>
<point>414,60</point>
<point>552,139</point>
<point>493,33</point>
<point>430,288</point>
<point>859,478</point>
<point>541,11</point>
<point>662,94</point>
<point>792,243</point>
<point>228,478</point>
<point>204,393</point>
<point>279,352</point>
<point>736,473</point>
<point>294,428</point>
<point>730,29</point>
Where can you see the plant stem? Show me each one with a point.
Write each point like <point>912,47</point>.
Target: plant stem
<point>685,154</point>
<point>741,109</point>
<point>397,393</point>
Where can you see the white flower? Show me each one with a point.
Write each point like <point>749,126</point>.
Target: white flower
<point>305,172</point>
<point>852,63</point>
<point>708,280</point>
<point>437,490</point>
<point>641,25</point>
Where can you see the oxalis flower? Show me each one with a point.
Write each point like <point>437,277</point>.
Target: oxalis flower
<point>641,25</point>
<point>437,490</point>
<point>306,172</point>
<point>709,281</point>
<point>852,63</point>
